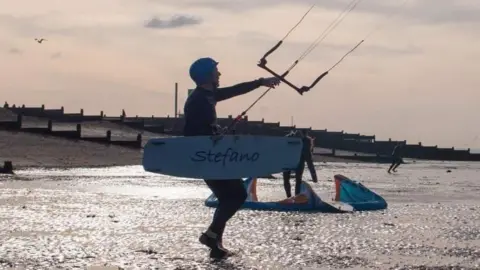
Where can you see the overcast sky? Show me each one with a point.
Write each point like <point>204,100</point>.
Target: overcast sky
<point>415,78</point>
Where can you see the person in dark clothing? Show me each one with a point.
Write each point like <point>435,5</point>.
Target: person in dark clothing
<point>396,157</point>
<point>200,120</point>
<point>306,157</point>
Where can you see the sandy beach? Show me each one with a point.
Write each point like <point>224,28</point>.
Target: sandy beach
<point>83,205</point>
<point>124,218</point>
<point>31,150</point>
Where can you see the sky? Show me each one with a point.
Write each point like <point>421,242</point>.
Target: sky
<point>414,78</point>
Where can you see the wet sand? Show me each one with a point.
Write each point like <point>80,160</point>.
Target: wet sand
<point>32,150</point>
<point>124,217</point>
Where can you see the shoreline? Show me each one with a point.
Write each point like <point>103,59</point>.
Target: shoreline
<point>27,150</point>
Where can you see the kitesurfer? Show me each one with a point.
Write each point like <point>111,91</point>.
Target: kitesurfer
<point>306,157</point>
<point>200,119</point>
<point>396,157</point>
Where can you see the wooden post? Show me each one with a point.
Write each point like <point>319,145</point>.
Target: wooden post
<point>139,140</point>
<point>79,131</point>
<point>176,100</point>
<point>19,121</point>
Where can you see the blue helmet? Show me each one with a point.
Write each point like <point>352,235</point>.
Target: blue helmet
<point>202,69</point>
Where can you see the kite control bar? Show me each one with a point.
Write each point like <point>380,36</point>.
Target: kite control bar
<point>300,90</point>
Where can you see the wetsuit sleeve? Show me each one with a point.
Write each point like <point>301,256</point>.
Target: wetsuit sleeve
<point>236,90</point>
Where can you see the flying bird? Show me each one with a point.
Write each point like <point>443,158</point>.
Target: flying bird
<point>40,40</point>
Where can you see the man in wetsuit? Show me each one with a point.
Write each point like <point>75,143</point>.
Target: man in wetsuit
<point>306,157</point>
<point>396,157</point>
<point>200,120</point>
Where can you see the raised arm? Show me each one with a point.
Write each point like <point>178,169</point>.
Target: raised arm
<point>225,93</point>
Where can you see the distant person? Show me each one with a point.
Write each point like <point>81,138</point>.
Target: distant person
<point>396,157</point>
<point>7,168</point>
<point>200,120</point>
<point>305,157</point>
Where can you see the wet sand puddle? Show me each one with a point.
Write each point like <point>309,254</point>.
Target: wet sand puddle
<point>124,217</point>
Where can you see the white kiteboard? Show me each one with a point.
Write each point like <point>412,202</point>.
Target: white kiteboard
<point>229,157</point>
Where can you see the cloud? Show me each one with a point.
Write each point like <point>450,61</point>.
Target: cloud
<point>15,51</point>
<point>174,22</point>
<point>56,55</point>
<point>377,49</point>
<point>424,11</point>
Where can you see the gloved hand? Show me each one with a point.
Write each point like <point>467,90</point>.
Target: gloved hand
<point>270,82</point>
<point>217,129</point>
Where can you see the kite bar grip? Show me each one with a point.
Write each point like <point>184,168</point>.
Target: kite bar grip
<point>272,50</point>
<point>307,88</point>
<point>281,77</point>
<point>318,79</point>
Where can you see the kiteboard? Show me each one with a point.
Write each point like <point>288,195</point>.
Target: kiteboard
<point>220,158</point>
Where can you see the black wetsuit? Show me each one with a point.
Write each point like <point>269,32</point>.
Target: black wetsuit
<point>200,120</point>
<point>306,157</point>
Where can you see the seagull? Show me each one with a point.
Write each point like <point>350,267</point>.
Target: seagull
<point>40,40</point>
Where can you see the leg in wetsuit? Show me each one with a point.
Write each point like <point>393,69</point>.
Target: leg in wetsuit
<point>286,183</point>
<point>395,163</point>
<point>299,175</point>
<point>231,195</point>
<point>311,167</point>
<point>398,162</point>
<point>298,179</point>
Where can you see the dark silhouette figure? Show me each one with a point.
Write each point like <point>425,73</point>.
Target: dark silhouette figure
<point>7,168</point>
<point>306,157</point>
<point>201,120</point>
<point>396,157</point>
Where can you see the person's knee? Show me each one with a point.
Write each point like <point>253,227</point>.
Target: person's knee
<point>237,196</point>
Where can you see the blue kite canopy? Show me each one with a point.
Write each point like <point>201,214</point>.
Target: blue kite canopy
<point>350,196</point>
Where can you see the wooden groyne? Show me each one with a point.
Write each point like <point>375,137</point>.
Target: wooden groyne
<point>49,128</point>
<point>334,140</point>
